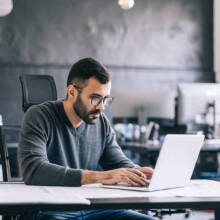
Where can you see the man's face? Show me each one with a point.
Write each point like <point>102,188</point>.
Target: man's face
<point>83,106</point>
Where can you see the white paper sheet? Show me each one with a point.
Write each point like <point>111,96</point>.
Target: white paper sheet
<point>21,193</point>
<point>199,188</point>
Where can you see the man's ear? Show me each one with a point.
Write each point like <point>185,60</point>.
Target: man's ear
<point>71,91</point>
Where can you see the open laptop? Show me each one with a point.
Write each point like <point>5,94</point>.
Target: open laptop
<point>175,164</point>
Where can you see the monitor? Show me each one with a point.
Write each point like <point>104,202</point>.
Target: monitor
<point>157,103</point>
<point>194,100</point>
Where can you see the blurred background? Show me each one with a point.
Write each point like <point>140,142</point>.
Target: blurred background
<point>151,47</point>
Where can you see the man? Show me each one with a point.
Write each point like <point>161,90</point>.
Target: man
<point>64,143</point>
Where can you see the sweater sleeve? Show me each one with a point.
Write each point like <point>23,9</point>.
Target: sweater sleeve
<point>113,157</point>
<point>32,154</point>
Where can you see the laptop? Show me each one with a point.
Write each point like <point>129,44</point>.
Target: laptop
<point>175,164</point>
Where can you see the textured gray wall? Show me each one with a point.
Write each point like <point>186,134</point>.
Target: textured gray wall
<point>158,43</point>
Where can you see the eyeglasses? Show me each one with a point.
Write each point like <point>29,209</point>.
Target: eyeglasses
<point>97,99</point>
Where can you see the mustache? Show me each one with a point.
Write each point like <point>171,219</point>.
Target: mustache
<point>95,112</point>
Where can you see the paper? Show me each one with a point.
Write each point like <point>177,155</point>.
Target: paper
<point>21,193</point>
<point>199,188</point>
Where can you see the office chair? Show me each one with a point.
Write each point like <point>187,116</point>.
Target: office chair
<point>37,89</point>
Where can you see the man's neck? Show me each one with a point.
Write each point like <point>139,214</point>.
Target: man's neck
<point>71,114</point>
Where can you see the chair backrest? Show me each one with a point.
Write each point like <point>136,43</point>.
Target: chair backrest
<point>37,89</point>
<point>8,152</point>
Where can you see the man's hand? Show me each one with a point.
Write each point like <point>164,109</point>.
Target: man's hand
<point>148,171</point>
<point>131,176</point>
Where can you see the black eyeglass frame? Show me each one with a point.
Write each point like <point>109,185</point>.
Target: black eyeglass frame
<point>101,99</point>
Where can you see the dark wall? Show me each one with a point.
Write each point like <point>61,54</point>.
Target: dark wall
<point>157,44</point>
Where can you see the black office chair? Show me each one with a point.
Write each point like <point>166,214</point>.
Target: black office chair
<point>37,89</point>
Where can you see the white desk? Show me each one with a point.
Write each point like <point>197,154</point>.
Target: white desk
<point>17,198</point>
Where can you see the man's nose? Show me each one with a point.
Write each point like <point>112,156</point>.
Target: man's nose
<point>100,106</point>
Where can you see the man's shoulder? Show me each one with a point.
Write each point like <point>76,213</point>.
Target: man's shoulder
<point>45,106</point>
<point>42,110</point>
<point>42,115</point>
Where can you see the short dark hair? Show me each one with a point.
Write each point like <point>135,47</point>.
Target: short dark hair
<point>86,68</point>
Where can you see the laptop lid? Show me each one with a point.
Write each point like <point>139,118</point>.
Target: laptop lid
<point>176,161</point>
<point>175,164</point>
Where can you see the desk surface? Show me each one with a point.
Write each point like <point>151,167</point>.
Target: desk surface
<point>101,198</point>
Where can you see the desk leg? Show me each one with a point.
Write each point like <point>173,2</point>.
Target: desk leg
<point>217,214</point>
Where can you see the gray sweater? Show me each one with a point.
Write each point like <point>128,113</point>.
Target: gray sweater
<point>52,152</point>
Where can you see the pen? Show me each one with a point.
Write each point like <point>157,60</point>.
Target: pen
<point>143,175</point>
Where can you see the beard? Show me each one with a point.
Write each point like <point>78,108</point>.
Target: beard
<point>87,116</point>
